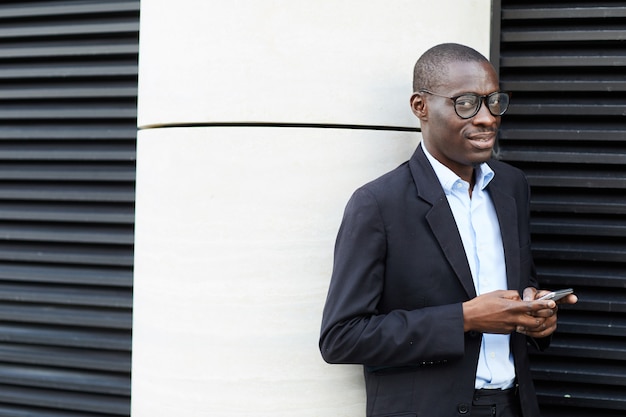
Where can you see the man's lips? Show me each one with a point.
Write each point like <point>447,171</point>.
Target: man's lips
<point>482,136</point>
<point>482,139</point>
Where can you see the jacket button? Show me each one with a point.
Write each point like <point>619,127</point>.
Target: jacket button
<point>463,408</point>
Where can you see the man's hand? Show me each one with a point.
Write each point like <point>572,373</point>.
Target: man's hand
<point>548,326</point>
<point>503,312</point>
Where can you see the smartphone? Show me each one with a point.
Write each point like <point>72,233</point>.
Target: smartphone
<point>557,295</point>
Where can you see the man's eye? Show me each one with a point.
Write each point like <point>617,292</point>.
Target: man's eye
<point>466,102</point>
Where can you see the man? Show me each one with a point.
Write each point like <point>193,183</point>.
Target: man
<point>433,287</point>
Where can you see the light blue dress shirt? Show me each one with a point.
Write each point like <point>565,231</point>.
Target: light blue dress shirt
<point>478,226</point>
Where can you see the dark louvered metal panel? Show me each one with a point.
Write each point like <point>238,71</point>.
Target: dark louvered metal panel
<point>566,128</point>
<point>68,92</point>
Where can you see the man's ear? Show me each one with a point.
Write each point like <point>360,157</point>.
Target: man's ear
<point>418,106</point>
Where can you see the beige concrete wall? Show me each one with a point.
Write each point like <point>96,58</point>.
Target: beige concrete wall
<point>235,225</point>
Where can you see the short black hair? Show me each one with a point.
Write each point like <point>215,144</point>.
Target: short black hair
<point>430,68</point>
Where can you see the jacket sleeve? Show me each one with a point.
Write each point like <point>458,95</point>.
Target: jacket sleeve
<point>353,328</point>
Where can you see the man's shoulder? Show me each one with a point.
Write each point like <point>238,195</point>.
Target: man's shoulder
<point>390,181</point>
<point>389,190</point>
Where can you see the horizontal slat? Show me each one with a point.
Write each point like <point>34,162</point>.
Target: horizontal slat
<point>46,9</point>
<point>563,12</point>
<point>579,249</point>
<point>77,111</point>
<point>59,212</point>
<point>587,323</point>
<point>66,28</point>
<point>559,131</point>
<point>85,192</point>
<point>549,84</point>
<point>582,395</point>
<point>66,295</point>
<point>66,233</point>
<point>576,346</point>
<point>581,274</point>
<point>75,49</point>
<point>578,226</point>
<point>67,90</point>
<point>99,318</point>
<point>561,201</point>
<point>110,361</point>
<point>612,373</point>
<point>596,300</point>
<point>563,60</point>
<point>560,34</point>
<point>58,172</point>
<point>68,380</point>
<point>51,150</point>
<point>610,301</point>
<point>574,411</point>
<point>13,410</point>
<point>77,337</point>
<point>571,108</point>
<point>67,274</point>
<point>70,132</point>
<point>574,178</point>
<point>72,254</point>
<point>68,70</point>
<point>564,154</point>
<point>63,400</point>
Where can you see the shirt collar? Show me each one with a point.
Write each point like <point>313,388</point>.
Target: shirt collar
<point>447,178</point>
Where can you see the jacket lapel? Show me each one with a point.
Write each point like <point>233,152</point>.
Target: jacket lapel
<point>506,209</point>
<point>440,219</point>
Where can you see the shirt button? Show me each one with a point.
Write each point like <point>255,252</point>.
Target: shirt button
<point>463,408</point>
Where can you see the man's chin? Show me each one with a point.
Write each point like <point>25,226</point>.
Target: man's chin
<point>479,159</point>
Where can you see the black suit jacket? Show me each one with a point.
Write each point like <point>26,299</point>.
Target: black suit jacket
<point>400,275</point>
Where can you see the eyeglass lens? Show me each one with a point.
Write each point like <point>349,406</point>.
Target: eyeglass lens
<point>468,105</point>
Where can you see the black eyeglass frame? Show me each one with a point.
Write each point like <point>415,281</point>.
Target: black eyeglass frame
<point>480,102</point>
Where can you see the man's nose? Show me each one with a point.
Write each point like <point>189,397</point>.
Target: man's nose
<point>484,116</point>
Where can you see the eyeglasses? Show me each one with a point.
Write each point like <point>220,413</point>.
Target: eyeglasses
<point>467,105</point>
